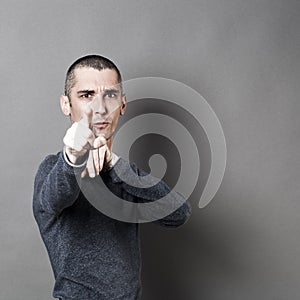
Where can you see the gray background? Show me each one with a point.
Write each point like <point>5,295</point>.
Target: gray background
<point>243,57</point>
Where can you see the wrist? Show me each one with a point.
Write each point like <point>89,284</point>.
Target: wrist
<point>74,161</point>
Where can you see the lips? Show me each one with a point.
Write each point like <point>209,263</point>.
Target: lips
<point>100,124</point>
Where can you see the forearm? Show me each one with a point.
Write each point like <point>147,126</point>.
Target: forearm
<point>176,209</point>
<point>56,185</point>
<point>179,216</point>
<point>165,206</point>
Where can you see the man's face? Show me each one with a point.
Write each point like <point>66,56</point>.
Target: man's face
<point>102,91</point>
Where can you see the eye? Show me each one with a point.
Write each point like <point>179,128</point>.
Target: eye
<point>110,94</point>
<point>87,96</point>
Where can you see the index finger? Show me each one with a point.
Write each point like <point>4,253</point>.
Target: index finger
<point>87,117</point>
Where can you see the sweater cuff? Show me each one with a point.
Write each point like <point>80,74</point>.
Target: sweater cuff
<point>71,164</point>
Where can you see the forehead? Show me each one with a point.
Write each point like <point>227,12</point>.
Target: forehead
<point>89,78</point>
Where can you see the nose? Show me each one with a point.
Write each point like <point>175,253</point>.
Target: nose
<point>98,105</point>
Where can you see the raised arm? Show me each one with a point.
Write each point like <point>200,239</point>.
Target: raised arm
<point>123,176</point>
<point>55,186</point>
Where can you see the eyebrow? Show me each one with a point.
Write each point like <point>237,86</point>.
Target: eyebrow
<point>86,91</point>
<point>111,90</point>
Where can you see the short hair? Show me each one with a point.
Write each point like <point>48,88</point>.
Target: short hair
<point>97,62</point>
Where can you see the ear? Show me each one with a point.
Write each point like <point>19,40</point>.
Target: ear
<point>124,104</point>
<point>65,105</point>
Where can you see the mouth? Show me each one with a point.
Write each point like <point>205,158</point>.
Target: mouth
<point>101,125</point>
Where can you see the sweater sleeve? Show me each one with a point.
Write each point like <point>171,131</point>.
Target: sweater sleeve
<point>156,190</point>
<point>55,185</point>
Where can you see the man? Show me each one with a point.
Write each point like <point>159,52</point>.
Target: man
<point>92,255</point>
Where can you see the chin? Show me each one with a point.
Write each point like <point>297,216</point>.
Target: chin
<point>107,135</point>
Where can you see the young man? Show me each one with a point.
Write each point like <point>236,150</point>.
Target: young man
<point>92,255</point>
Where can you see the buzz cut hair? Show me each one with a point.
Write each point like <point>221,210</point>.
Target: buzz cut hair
<point>94,61</point>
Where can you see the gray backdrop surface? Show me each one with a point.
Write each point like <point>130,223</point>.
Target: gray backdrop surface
<point>244,58</point>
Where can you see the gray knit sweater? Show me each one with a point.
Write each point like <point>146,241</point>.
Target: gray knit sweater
<point>93,256</point>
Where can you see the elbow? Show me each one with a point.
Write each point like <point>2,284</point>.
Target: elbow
<point>178,218</point>
<point>183,214</point>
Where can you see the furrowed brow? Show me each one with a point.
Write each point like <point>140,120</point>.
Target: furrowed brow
<point>86,91</point>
